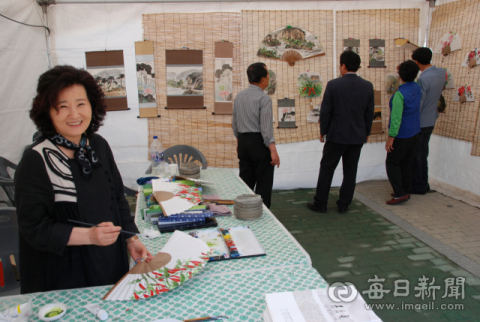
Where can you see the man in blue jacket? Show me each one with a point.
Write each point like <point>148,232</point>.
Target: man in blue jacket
<point>346,116</point>
<point>432,83</point>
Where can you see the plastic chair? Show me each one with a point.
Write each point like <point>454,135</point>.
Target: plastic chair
<point>179,154</point>
<point>6,181</point>
<point>9,259</point>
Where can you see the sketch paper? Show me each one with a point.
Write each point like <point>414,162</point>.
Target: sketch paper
<point>449,80</point>
<point>272,85</point>
<point>314,115</point>
<point>175,197</point>
<point>392,83</point>
<point>309,84</point>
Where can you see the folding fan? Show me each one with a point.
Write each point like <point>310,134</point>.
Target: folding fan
<point>464,94</point>
<point>391,83</point>
<point>472,59</point>
<point>182,257</point>
<point>448,43</point>
<point>449,81</point>
<point>175,197</point>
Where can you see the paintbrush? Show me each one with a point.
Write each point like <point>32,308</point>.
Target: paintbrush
<point>92,225</point>
<point>208,318</point>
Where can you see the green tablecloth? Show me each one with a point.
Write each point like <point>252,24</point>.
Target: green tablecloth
<point>281,248</point>
<point>235,288</point>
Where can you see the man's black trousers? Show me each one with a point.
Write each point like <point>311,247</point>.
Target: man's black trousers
<point>255,168</point>
<point>420,163</point>
<point>332,152</point>
<point>399,165</point>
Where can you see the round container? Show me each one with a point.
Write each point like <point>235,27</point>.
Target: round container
<point>55,310</point>
<point>189,169</point>
<point>248,207</point>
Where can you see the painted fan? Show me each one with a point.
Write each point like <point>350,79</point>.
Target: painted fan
<point>464,94</point>
<point>391,83</point>
<point>179,260</point>
<point>449,81</point>
<point>309,84</point>
<point>175,197</point>
<point>448,43</point>
<point>472,59</point>
<point>290,44</point>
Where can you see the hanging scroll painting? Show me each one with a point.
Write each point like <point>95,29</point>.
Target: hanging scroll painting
<point>472,59</point>
<point>377,53</point>
<point>108,70</point>
<point>223,77</point>
<point>392,83</point>
<point>146,79</point>
<point>314,115</point>
<point>352,45</point>
<point>290,44</point>
<point>309,84</point>
<point>449,81</point>
<point>272,85</point>
<point>286,113</point>
<point>448,43</point>
<point>377,115</point>
<point>464,94</point>
<point>184,79</point>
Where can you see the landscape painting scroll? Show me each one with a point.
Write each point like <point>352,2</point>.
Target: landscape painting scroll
<point>286,113</point>
<point>223,77</point>
<point>108,70</point>
<point>184,79</point>
<point>146,79</point>
<point>377,53</point>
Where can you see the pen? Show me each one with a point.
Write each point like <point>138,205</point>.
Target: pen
<point>92,225</point>
<point>208,318</point>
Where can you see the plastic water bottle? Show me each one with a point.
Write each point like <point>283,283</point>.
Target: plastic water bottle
<point>156,157</point>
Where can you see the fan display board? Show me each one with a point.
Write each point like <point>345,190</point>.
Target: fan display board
<point>181,258</point>
<point>405,44</point>
<point>175,197</point>
<point>448,43</point>
<point>290,44</point>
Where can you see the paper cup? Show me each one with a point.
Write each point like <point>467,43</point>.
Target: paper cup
<point>173,168</point>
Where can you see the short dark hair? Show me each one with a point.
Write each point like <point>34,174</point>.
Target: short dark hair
<point>423,55</point>
<point>256,72</point>
<point>51,83</point>
<point>351,60</point>
<point>408,71</point>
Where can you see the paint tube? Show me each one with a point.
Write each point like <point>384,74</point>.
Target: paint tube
<point>96,310</point>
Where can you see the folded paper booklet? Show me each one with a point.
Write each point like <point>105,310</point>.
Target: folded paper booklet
<point>316,306</point>
<point>230,243</point>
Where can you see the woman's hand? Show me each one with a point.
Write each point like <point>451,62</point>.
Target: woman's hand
<point>138,251</point>
<point>105,234</point>
<point>389,144</point>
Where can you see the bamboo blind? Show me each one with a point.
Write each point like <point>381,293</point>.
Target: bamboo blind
<point>460,121</point>
<point>255,26</point>
<point>385,24</point>
<point>211,134</point>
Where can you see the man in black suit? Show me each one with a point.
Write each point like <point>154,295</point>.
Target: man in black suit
<point>346,117</point>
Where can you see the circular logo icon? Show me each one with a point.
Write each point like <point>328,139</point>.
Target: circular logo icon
<point>342,292</point>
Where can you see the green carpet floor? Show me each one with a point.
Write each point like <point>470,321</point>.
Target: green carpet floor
<point>356,246</point>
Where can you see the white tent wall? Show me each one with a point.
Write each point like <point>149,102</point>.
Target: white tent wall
<point>79,28</point>
<point>23,57</point>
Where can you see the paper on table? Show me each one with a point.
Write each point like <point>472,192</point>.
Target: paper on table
<point>283,307</point>
<point>246,241</point>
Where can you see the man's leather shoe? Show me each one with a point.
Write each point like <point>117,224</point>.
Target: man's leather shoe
<point>396,201</point>
<point>342,210</point>
<point>314,207</point>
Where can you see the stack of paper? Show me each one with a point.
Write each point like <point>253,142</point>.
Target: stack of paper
<point>315,306</point>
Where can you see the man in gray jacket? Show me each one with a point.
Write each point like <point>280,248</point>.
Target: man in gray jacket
<point>432,83</point>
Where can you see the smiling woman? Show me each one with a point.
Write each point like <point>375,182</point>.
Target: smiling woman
<point>69,173</point>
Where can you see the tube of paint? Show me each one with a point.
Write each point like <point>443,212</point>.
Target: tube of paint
<point>96,310</point>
